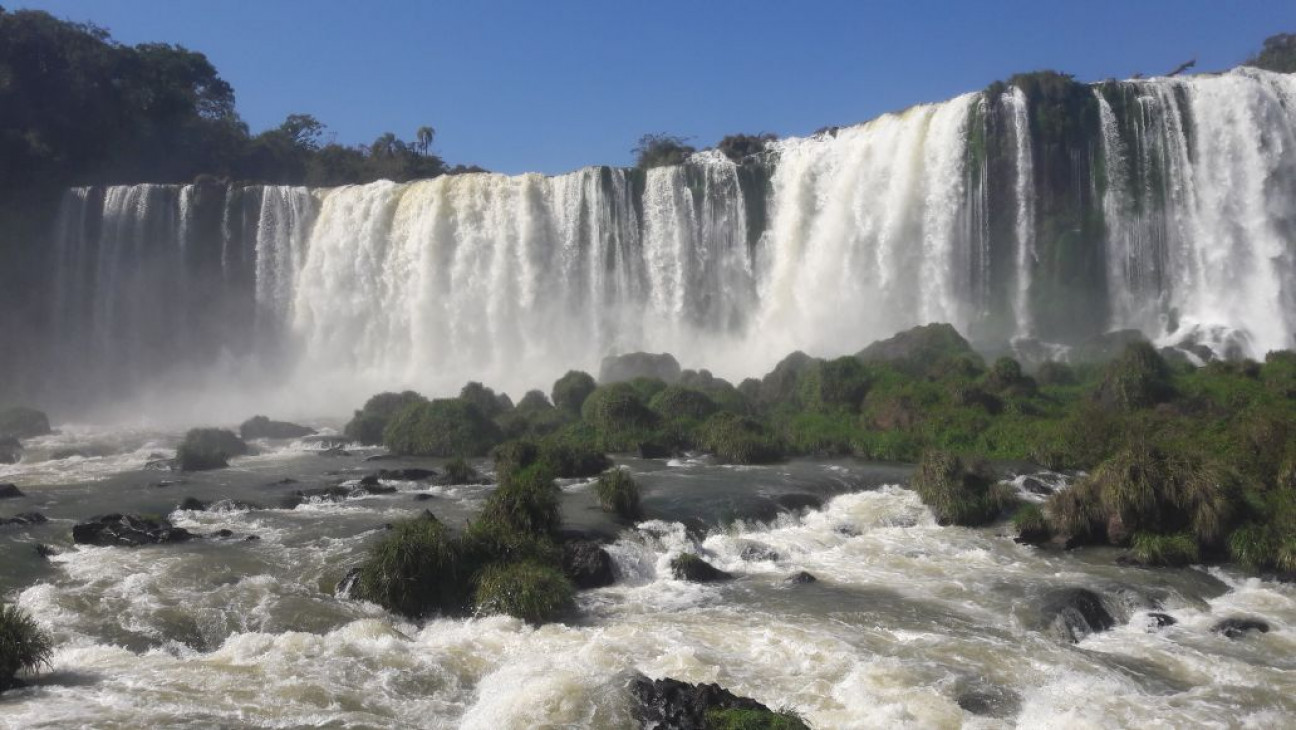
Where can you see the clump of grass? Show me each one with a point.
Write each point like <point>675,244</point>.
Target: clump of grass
<point>618,492</point>
<point>526,501</point>
<point>1175,550</point>
<point>748,719</point>
<point>1030,523</point>
<point>23,645</point>
<point>739,440</point>
<point>416,569</point>
<point>529,590</point>
<point>458,471</point>
<point>958,492</point>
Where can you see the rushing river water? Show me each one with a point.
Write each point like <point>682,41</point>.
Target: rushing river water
<point>907,617</point>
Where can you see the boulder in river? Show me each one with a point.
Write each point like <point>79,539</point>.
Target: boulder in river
<point>25,518</point>
<point>587,564</point>
<point>802,578</point>
<point>10,491</point>
<point>624,368</point>
<point>690,567</point>
<point>1239,626</point>
<point>10,450</point>
<point>260,427</point>
<point>208,448</point>
<point>406,475</point>
<point>1074,613</point>
<point>23,423</point>
<point>128,531</point>
<point>670,703</point>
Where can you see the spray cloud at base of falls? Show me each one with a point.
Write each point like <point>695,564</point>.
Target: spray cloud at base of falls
<point>1040,209</point>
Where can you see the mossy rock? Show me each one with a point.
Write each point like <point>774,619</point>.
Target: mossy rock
<point>623,368</point>
<point>679,402</point>
<point>261,427</point>
<point>370,422</point>
<point>531,591</point>
<point>958,491</point>
<point>1156,549</point>
<point>526,501</point>
<point>834,385</point>
<point>23,423</point>
<point>739,440</point>
<point>487,402</point>
<point>922,350</point>
<point>618,493</point>
<point>208,448</point>
<point>1139,378</point>
<point>23,645</point>
<point>416,570</point>
<point>746,719</point>
<point>618,414</point>
<point>442,427</point>
<point>1031,525</point>
<point>571,390</point>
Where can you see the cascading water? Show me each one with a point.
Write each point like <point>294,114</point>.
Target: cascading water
<point>944,212</point>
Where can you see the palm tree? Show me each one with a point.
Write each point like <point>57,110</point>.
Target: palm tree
<point>424,137</point>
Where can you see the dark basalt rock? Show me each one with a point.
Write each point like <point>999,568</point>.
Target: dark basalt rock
<point>622,368</point>
<point>260,427</point>
<point>406,475</point>
<point>347,584</point>
<point>802,578</point>
<point>10,491</point>
<point>10,450</point>
<point>23,423</point>
<point>46,551</point>
<point>990,701</point>
<point>674,705</point>
<point>128,531</point>
<point>192,504</point>
<point>422,497</point>
<point>1074,613</point>
<point>587,564</point>
<point>1161,620</point>
<point>161,483</point>
<point>1036,486</point>
<point>25,518</point>
<point>160,465</point>
<point>204,449</point>
<point>232,505</point>
<point>1239,626</point>
<point>690,567</point>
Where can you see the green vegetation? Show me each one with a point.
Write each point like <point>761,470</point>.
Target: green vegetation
<point>739,440</point>
<point>738,147</point>
<point>369,423</point>
<point>458,471</point>
<point>23,423</point>
<point>659,150</point>
<point>958,492</point>
<point>743,719</point>
<point>208,448</point>
<point>417,569</point>
<point>618,492</point>
<point>530,591</point>
<point>23,646</point>
<point>1277,54</point>
<point>571,390</point>
<point>442,427</point>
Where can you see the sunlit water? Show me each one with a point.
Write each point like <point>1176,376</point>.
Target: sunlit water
<point>906,617</point>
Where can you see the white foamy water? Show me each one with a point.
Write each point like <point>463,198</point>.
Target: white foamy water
<point>905,618</point>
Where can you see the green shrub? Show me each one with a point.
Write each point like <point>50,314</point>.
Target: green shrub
<point>618,492</point>
<point>534,401</point>
<point>443,427</point>
<point>531,591</point>
<point>369,423</point>
<point>23,423</point>
<point>1175,550</point>
<point>957,491</point>
<point>827,434</point>
<point>678,402</point>
<point>526,501</point>
<point>23,646</point>
<point>487,402</point>
<point>458,471</point>
<point>1139,378</point>
<point>571,390</point>
<point>417,569</point>
<point>1053,373</point>
<point>834,385</point>
<point>739,440</point>
<point>619,415</point>
<point>931,350</point>
<point>208,448</point>
<point>745,719</point>
<point>1030,523</point>
<point>568,454</point>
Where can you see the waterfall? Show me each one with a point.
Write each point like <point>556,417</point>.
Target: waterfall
<point>943,212</point>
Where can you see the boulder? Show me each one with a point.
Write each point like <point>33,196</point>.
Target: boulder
<point>348,583</point>
<point>260,427</point>
<point>10,450</point>
<point>669,703</point>
<point>801,578</point>
<point>1158,620</point>
<point>799,502</point>
<point>208,448</point>
<point>1239,626</point>
<point>1074,613</point>
<point>624,368</point>
<point>9,491</point>
<point>690,567</point>
<point>587,564</point>
<point>25,518</point>
<point>406,475</point>
<point>23,423</point>
<point>758,552</point>
<point>232,505</point>
<point>922,350</point>
<point>128,531</point>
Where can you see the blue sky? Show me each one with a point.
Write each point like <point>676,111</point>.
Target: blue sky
<point>551,86</point>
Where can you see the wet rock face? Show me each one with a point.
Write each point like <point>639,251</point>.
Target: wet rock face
<point>692,568</point>
<point>10,450</point>
<point>24,518</point>
<point>118,530</point>
<point>10,491</point>
<point>260,427</point>
<point>669,703</point>
<point>1239,626</point>
<point>1074,613</point>
<point>621,368</point>
<point>587,564</point>
<point>802,578</point>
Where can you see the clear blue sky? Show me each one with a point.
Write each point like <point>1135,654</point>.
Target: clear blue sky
<point>550,86</point>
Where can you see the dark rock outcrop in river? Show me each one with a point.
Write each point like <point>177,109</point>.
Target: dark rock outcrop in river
<point>117,530</point>
<point>23,423</point>
<point>208,448</point>
<point>10,450</point>
<point>260,427</point>
<point>24,518</point>
<point>1237,627</point>
<point>689,566</point>
<point>1074,613</point>
<point>587,564</point>
<point>675,705</point>
<point>10,491</point>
